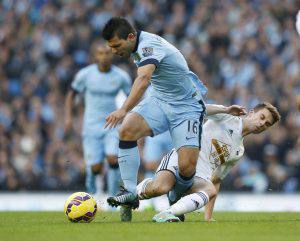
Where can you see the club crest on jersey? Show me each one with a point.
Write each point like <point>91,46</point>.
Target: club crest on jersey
<point>147,51</point>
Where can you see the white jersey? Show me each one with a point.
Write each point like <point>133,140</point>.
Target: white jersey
<point>221,146</point>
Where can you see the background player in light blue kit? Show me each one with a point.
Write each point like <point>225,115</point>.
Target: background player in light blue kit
<point>155,148</point>
<point>174,104</point>
<point>100,83</point>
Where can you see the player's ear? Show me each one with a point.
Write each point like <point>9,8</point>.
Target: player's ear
<point>131,36</point>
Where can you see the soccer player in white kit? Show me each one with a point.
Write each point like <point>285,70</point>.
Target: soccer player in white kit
<point>222,146</point>
<point>100,83</point>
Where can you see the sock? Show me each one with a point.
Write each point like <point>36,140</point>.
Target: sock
<point>189,203</point>
<point>129,162</point>
<point>149,174</point>
<point>181,186</point>
<point>113,179</point>
<point>141,189</point>
<point>99,182</point>
<point>90,181</point>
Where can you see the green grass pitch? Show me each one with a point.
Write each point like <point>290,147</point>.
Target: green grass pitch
<point>53,226</point>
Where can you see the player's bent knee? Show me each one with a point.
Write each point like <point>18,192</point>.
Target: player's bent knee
<point>97,168</point>
<point>126,133</point>
<point>187,161</point>
<point>187,169</point>
<point>112,160</point>
<point>209,189</point>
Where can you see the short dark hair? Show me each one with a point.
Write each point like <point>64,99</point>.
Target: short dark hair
<point>117,26</point>
<point>266,105</point>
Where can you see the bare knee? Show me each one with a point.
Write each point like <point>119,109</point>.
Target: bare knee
<point>126,133</point>
<point>112,160</point>
<point>133,128</point>
<point>96,168</point>
<point>187,166</point>
<point>187,161</point>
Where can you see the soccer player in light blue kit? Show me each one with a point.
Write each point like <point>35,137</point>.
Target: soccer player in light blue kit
<point>174,104</point>
<point>100,83</point>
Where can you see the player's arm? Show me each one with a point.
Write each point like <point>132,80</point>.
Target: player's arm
<point>236,110</point>
<point>138,89</point>
<point>68,109</point>
<point>77,86</point>
<point>209,208</point>
<point>139,86</point>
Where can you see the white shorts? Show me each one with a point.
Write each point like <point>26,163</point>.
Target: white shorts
<point>170,163</point>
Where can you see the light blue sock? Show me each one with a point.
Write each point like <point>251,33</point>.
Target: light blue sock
<point>129,162</point>
<point>90,180</point>
<point>113,180</point>
<point>181,186</point>
<point>149,174</point>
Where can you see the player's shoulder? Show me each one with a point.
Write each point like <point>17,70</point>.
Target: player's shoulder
<point>149,40</point>
<point>87,69</point>
<point>232,122</point>
<point>225,118</point>
<point>119,71</point>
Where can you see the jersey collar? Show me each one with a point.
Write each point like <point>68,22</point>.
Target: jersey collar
<point>138,33</point>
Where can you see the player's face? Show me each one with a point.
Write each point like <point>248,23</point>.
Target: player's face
<point>260,120</point>
<point>122,47</point>
<point>104,55</point>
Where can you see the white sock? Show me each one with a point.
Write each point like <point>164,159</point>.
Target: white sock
<point>141,189</point>
<point>189,203</point>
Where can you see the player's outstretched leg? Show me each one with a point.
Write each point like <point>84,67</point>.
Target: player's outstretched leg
<point>161,184</point>
<point>200,194</point>
<point>133,128</point>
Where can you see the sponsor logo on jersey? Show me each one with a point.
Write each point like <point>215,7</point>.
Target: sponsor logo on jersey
<point>219,153</point>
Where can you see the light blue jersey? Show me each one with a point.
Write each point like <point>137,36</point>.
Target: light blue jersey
<point>100,90</point>
<point>174,102</point>
<point>172,80</point>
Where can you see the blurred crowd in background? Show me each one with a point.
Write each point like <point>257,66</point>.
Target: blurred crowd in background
<point>244,51</point>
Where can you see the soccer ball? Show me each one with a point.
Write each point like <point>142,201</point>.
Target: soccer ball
<point>80,207</point>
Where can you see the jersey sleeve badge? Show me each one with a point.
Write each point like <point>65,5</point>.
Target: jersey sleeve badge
<point>147,51</point>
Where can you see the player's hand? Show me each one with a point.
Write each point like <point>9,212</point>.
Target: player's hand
<point>210,220</point>
<point>236,110</point>
<point>68,125</point>
<point>114,118</point>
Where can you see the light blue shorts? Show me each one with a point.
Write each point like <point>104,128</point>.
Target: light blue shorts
<point>96,148</point>
<point>183,119</point>
<point>158,146</point>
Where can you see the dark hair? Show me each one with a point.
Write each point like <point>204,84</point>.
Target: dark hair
<point>265,105</point>
<point>117,27</point>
